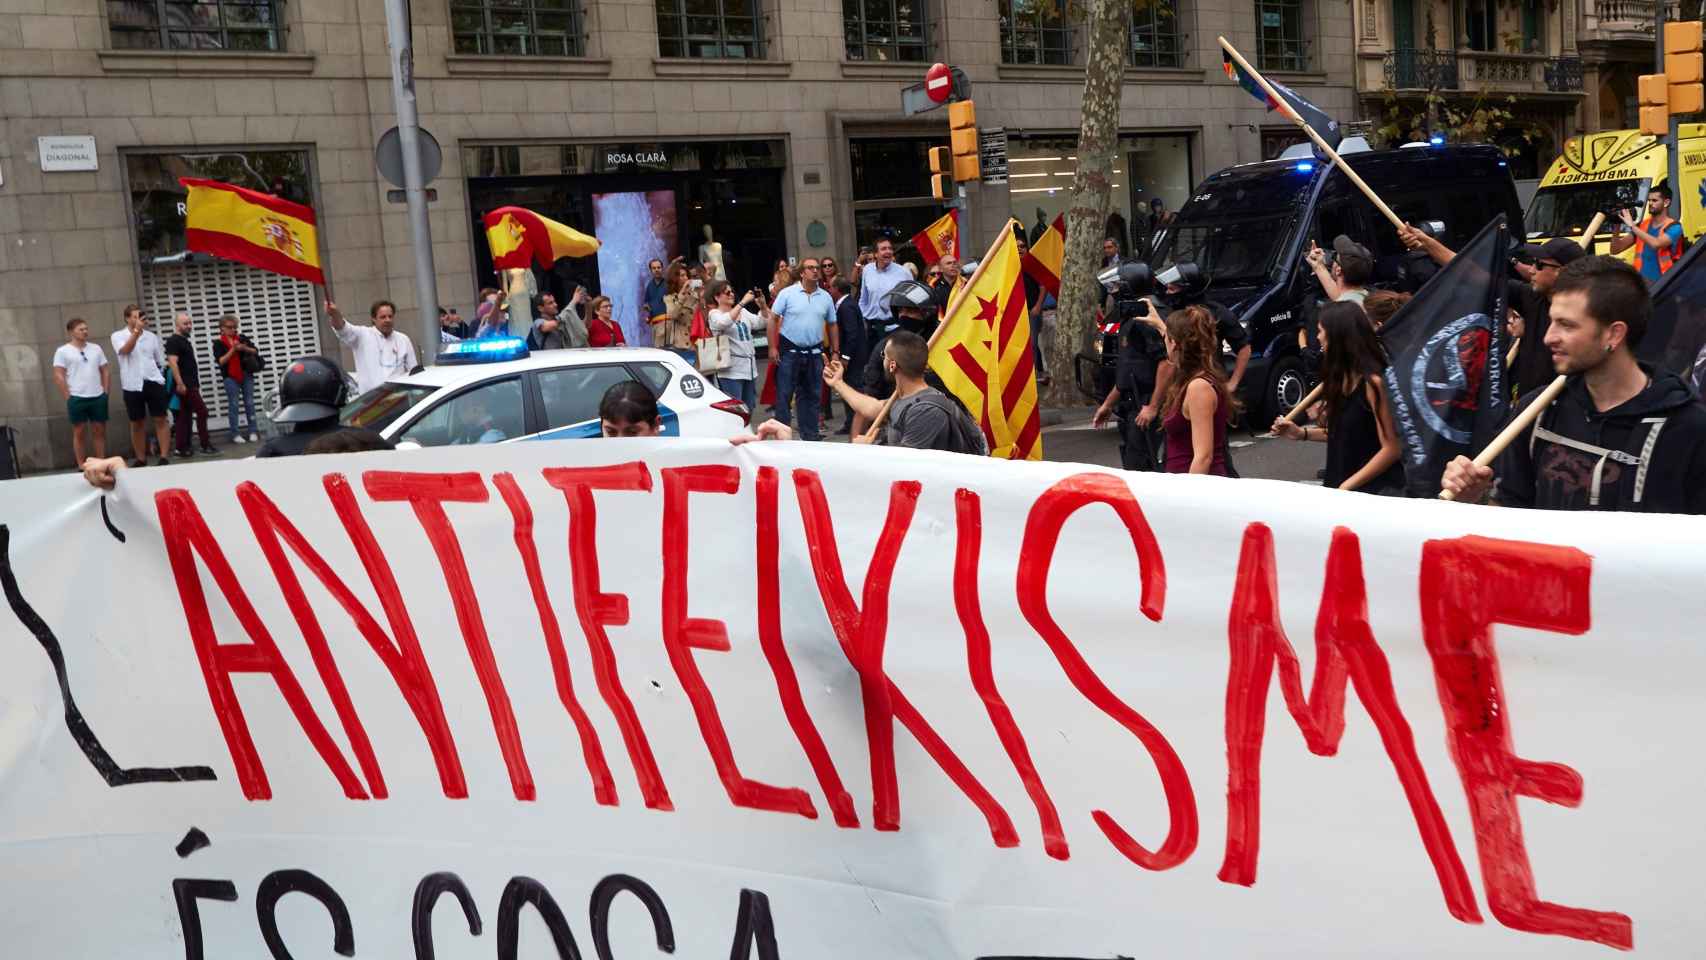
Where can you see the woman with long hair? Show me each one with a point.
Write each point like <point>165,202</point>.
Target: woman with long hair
<point>601,329</point>
<point>1356,423</point>
<point>675,330</point>
<point>1198,404</point>
<point>782,280</point>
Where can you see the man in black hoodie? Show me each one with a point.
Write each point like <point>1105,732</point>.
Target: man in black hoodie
<point>1622,435</point>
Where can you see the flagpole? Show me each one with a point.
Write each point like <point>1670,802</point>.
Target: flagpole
<point>953,305</point>
<point>1292,115</point>
<point>1515,428</point>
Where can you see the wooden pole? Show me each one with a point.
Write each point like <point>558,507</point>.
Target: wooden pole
<point>1592,229</point>
<point>953,305</point>
<point>1303,404</point>
<point>1515,428</point>
<point>1321,144</point>
<point>1516,346</point>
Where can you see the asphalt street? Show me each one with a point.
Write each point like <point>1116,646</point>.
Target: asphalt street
<point>1075,441</point>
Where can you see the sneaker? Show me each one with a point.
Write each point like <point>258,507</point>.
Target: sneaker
<point>162,462</point>
<point>208,451</point>
<point>239,438</point>
<point>254,439</point>
<point>138,463</point>
<point>182,454</point>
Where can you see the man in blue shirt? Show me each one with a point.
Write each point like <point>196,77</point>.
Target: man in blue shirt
<point>876,279</point>
<point>1657,240</point>
<point>656,287</point>
<point>807,315</point>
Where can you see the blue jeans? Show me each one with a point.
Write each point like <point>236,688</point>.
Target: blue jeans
<point>802,374</point>
<point>746,391</point>
<point>246,387</point>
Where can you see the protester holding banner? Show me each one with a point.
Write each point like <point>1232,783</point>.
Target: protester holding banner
<point>1199,401</point>
<point>629,409</point>
<point>1357,425</point>
<point>1621,435</point>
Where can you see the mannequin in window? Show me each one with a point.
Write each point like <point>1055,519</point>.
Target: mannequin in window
<point>521,289</point>
<point>711,252</point>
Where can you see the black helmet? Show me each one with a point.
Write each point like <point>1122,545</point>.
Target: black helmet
<point>1187,276</point>
<point>910,293</point>
<point>1136,278</point>
<point>312,389</point>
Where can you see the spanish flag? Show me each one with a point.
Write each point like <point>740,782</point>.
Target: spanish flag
<point>519,236</point>
<point>251,227</point>
<point>940,238</point>
<point>983,355</point>
<point>1042,263</point>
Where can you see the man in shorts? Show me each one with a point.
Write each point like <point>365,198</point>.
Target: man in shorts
<point>142,377</point>
<point>80,369</point>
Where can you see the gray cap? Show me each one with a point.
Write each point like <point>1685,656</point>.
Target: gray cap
<point>1344,247</point>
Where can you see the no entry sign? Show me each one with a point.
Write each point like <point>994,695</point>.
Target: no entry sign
<point>938,83</point>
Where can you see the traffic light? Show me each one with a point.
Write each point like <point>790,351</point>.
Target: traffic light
<point>941,173</point>
<point>962,127</point>
<point>1685,67</point>
<point>1654,92</point>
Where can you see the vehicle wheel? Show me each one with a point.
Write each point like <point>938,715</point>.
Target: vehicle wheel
<point>1287,386</point>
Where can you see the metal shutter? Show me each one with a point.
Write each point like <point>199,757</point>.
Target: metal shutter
<point>275,311</point>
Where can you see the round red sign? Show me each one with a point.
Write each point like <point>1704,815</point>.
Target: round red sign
<point>938,83</point>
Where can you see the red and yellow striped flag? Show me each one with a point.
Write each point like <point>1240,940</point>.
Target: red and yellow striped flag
<point>518,236</point>
<point>1043,263</point>
<point>983,355</point>
<point>251,227</point>
<point>939,239</point>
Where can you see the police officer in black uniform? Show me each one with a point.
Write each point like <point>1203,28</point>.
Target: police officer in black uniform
<point>310,395</point>
<point>1142,350</point>
<point>912,306</point>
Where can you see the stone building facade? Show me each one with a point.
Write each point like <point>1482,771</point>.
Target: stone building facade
<point>776,125</point>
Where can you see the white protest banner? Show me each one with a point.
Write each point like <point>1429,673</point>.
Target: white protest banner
<point>620,697</point>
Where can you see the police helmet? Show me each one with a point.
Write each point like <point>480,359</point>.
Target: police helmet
<point>312,389</point>
<point>910,293</point>
<point>1188,277</point>
<point>1136,278</point>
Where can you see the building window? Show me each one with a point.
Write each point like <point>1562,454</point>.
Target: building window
<point>1154,34</point>
<point>209,25</point>
<point>1035,32</point>
<point>713,29</point>
<point>550,28</point>
<point>886,30</point>
<point>1284,44</point>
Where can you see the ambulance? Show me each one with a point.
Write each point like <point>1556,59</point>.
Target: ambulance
<point>1614,170</point>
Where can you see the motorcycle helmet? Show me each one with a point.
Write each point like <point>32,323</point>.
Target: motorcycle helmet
<point>1136,278</point>
<point>312,389</point>
<point>910,293</point>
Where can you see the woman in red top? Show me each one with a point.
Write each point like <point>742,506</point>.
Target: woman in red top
<point>601,331</point>
<point>1198,403</point>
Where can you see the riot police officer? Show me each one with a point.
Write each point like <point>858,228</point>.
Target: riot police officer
<point>310,394</point>
<point>1141,352</point>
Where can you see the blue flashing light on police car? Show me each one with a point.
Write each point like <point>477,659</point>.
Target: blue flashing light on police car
<point>489,350</point>
<point>1305,166</point>
<point>1437,140</point>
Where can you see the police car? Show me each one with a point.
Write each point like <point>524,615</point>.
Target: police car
<point>495,391</point>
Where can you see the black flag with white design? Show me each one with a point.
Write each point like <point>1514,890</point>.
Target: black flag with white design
<point>1447,349</point>
<point>1676,336</point>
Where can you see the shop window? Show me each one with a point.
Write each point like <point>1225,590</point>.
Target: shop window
<point>886,30</point>
<point>1035,32</point>
<point>549,28</point>
<point>209,25</point>
<point>1283,34</point>
<point>1153,34</point>
<point>712,29</point>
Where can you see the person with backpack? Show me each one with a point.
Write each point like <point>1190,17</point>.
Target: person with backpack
<point>1622,435</point>
<point>921,417</point>
<point>1658,240</point>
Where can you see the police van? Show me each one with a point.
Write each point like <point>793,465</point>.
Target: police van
<point>1249,229</point>
<point>495,391</point>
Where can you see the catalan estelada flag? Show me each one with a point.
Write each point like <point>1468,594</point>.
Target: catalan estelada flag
<point>939,239</point>
<point>1042,263</point>
<point>251,227</point>
<point>1318,120</point>
<point>518,237</point>
<point>983,355</point>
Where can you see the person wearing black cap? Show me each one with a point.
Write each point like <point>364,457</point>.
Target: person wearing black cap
<point>310,394</point>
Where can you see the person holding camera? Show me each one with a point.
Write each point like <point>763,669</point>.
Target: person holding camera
<point>737,321</point>
<point>1657,239</point>
<point>1142,351</point>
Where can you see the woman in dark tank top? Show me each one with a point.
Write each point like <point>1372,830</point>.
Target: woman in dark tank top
<point>1356,414</point>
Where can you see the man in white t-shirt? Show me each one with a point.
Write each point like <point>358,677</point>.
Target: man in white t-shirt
<point>142,377</point>
<point>381,353</point>
<point>80,370</point>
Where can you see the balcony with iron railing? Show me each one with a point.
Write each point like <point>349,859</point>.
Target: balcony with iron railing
<point>1475,71</point>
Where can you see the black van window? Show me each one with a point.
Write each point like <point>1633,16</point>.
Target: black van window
<point>1234,228</point>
